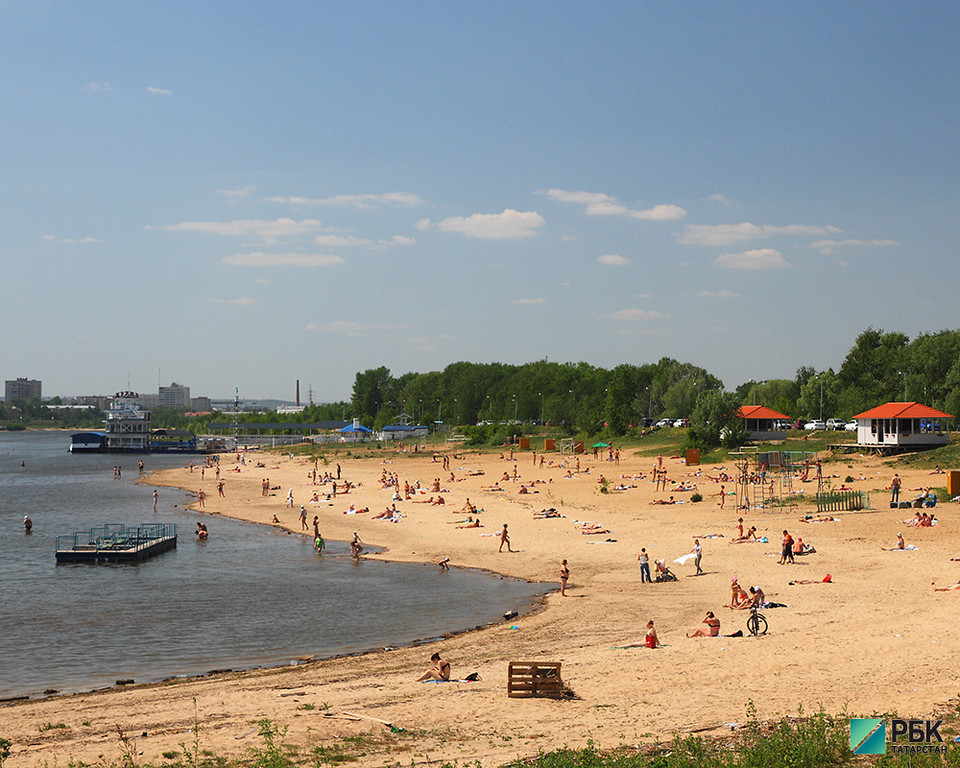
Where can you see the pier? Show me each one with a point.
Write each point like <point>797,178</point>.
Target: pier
<point>116,543</point>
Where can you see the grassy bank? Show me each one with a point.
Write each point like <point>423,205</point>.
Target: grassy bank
<point>818,741</point>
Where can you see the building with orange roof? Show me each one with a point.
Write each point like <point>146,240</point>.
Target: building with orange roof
<point>763,423</point>
<point>899,425</point>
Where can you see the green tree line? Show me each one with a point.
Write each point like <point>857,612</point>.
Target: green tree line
<point>578,397</point>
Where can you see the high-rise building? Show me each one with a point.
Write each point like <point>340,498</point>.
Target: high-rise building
<point>175,396</point>
<point>22,389</point>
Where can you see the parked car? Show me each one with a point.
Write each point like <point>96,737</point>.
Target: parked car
<point>682,423</point>
<point>816,424</point>
<point>665,423</point>
<point>782,426</point>
<point>835,424</point>
<point>850,426</point>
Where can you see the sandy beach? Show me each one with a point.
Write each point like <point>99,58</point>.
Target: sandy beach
<point>876,638</point>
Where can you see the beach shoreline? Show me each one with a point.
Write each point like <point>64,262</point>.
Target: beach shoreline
<point>620,696</point>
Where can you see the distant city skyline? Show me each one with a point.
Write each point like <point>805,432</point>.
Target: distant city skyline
<point>249,194</point>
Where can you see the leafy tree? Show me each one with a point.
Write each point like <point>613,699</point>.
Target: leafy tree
<point>370,389</point>
<point>825,388</point>
<point>872,372</point>
<point>715,420</point>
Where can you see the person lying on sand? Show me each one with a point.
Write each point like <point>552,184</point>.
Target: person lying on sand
<point>545,513</point>
<point>899,545</point>
<point>750,535</point>
<point>439,671</point>
<point>661,501</point>
<point>947,589</point>
<point>471,524</point>
<point>825,519</point>
<point>711,627</point>
<point>650,640</point>
<point>739,599</point>
<point>799,548</point>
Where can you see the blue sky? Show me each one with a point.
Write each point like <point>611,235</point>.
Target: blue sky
<point>240,194</point>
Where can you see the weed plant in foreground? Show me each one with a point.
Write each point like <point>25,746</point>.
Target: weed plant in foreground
<point>820,741</point>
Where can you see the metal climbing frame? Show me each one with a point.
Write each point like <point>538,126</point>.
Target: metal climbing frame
<point>764,480</point>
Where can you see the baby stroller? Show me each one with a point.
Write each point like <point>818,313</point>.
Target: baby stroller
<point>664,573</point>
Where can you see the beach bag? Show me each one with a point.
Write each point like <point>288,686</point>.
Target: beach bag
<point>473,677</point>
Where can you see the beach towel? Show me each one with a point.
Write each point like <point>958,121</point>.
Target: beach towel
<point>682,560</point>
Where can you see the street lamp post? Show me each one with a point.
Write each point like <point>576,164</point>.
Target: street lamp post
<point>820,379</point>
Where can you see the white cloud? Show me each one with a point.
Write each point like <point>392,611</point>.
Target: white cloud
<point>232,193</point>
<point>729,234</point>
<point>310,327</point>
<point>72,240</point>
<point>423,225</point>
<point>718,294</point>
<point>264,229</point>
<point>522,302</point>
<point>764,258</point>
<point>719,234</point>
<point>722,199</point>
<point>159,91</point>
<point>357,201</point>
<point>390,242</point>
<point>334,240</point>
<point>509,225</point>
<point>628,315</point>
<point>261,259</point>
<point>99,87</point>
<point>613,260</point>
<point>242,301</point>
<point>600,204</point>
<point>831,246</point>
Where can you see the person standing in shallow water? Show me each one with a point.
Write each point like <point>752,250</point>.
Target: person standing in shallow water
<point>564,575</point>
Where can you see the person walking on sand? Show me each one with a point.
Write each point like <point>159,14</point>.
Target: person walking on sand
<point>303,518</point>
<point>564,575</point>
<point>786,551</point>
<point>697,554</point>
<point>504,539</point>
<point>290,498</point>
<point>644,559</point>
<point>723,496</point>
<point>895,489</point>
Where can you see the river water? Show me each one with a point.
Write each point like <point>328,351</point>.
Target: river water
<point>249,596</point>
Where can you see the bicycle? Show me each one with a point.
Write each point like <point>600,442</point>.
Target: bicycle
<point>757,623</point>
